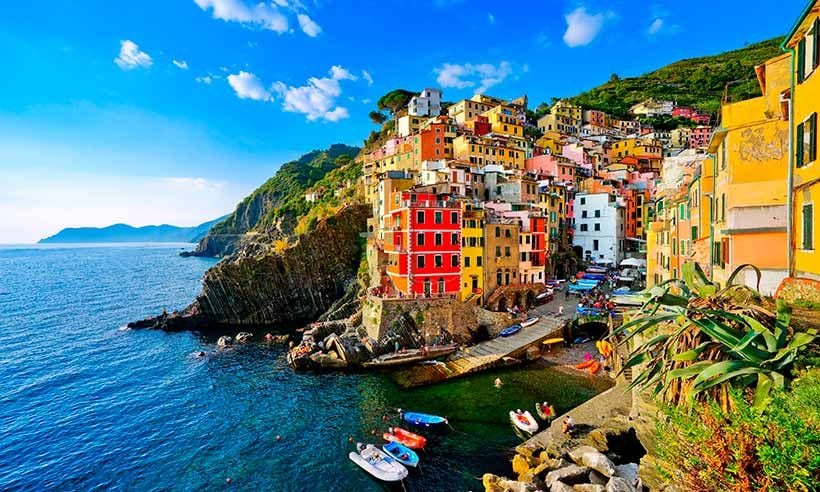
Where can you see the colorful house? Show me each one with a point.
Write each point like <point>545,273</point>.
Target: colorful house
<point>500,253</point>
<point>423,244</point>
<point>472,253</point>
<point>804,44</point>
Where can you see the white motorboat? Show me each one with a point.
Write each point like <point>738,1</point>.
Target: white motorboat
<point>524,421</point>
<point>377,463</point>
<point>530,321</point>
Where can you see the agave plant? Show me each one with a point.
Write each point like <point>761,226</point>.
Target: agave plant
<point>697,339</point>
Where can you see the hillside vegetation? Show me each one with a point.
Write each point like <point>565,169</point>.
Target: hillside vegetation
<point>698,82</point>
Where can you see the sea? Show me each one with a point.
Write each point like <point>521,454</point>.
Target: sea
<point>86,404</point>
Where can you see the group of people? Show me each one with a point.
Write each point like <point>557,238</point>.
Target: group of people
<point>596,299</point>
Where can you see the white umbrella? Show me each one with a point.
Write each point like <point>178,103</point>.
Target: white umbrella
<point>633,262</point>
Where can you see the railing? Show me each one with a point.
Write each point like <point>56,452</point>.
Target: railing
<point>430,204</point>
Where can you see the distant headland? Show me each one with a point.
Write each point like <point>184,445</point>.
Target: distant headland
<point>124,233</point>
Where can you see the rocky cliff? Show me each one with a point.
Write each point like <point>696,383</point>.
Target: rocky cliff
<point>258,286</point>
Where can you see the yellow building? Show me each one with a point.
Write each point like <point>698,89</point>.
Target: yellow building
<point>750,184</point>
<point>467,109</point>
<point>635,147</point>
<point>483,151</point>
<point>803,42</point>
<point>472,253</point>
<point>552,141</point>
<point>503,121</point>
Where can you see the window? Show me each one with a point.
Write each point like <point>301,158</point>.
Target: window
<point>808,226</point>
<point>598,227</point>
<point>507,233</point>
<point>420,261</point>
<point>694,233</point>
<point>723,207</point>
<point>437,239</point>
<point>454,260</point>
<point>420,239</point>
<point>454,217</point>
<point>583,201</point>
<point>595,245</point>
<point>807,141</point>
<point>420,217</point>
<point>584,228</point>
<point>584,214</point>
<point>507,251</point>
<point>439,262</point>
<point>498,277</point>
<point>597,213</point>
<point>477,261</point>
<point>454,238</point>
<point>467,261</point>
<point>439,218</point>
<point>498,251</point>
<point>497,232</point>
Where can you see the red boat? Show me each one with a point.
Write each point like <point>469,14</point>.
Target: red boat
<point>412,441</point>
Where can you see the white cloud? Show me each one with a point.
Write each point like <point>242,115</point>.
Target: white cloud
<point>261,15</point>
<point>481,76</point>
<point>190,184</point>
<point>182,64</point>
<point>367,77</point>
<point>656,26</point>
<point>308,25</point>
<point>317,99</point>
<point>248,86</point>
<point>205,79</point>
<point>365,101</point>
<point>491,18</point>
<point>131,57</point>
<point>582,27</point>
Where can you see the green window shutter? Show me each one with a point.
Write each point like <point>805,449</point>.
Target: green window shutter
<point>808,226</point>
<point>813,142</point>
<point>801,60</point>
<point>816,51</point>
<point>798,148</point>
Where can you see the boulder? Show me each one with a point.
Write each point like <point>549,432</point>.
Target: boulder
<point>244,337</point>
<point>629,472</point>
<point>560,487</point>
<point>592,458</point>
<point>494,483</point>
<point>522,464</point>
<point>224,341</point>
<point>589,487</point>
<point>618,484</point>
<point>571,474</point>
<point>598,479</point>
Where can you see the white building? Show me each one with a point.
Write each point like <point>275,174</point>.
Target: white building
<point>652,107</point>
<point>599,227</point>
<point>428,103</point>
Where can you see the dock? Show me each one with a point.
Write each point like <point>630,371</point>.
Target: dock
<point>495,352</point>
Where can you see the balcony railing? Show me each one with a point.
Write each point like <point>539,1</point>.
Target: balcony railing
<point>430,204</point>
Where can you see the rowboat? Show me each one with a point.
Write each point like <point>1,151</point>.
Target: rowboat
<point>425,419</point>
<point>524,421</point>
<point>512,330</point>
<point>401,453</point>
<point>377,463</point>
<point>530,321</point>
<point>409,439</point>
<point>543,295</point>
<point>546,416</point>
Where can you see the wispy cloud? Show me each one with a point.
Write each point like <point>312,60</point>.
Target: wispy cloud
<point>248,86</point>
<point>131,57</point>
<point>271,16</point>
<point>491,18</point>
<point>582,27</point>
<point>181,64</point>
<point>308,25</point>
<point>317,98</point>
<point>190,184</point>
<point>367,77</point>
<point>205,79</point>
<point>481,76</point>
<point>655,26</point>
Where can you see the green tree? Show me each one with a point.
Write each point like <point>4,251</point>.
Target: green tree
<point>377,117</point>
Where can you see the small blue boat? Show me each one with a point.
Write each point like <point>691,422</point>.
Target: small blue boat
<point>512,330</point>
<point>426,419</point>
<point>588,311</point>
<point>401,453</point>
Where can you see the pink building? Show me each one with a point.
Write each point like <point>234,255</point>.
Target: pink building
<point>699,137</point>
<point>542,165</point>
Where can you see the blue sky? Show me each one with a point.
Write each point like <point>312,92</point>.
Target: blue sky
<point>170,111</point>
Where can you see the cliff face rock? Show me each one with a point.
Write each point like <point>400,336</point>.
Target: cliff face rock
<point>256,286</point>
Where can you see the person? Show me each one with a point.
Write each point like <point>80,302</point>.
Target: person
<point>397,346</point>
<point>569,424</point>
<point>498,382</point>
<point>560,310</point>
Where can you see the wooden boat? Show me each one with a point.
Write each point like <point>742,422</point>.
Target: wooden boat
<point>401,453</point>
<point>524,421</point>
<point>544,295</point>
<point>425,419</point>
<point>377,463</point>
<point>546,416</point>
<point>411,356</point>
<point>510,331</point>
<point>409,439</point>
<point>530,321</point>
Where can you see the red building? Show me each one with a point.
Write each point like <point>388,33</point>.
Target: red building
<point>423,244</point>
<point>691,114</point>
<point>538,228</point>
<point>699,137</point>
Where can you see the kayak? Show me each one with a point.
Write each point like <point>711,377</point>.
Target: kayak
<point>409,439</point>
<point>524,421</point>
<point>594,368</point>
<point>512,330</point>
<point>401,453</point>
<point>542,415</point>
<point>422,418</point>
<point>585,364</point>
<point>530,321</point>
<point>375,462</point>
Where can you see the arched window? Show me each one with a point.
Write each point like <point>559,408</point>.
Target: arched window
<point>440,285</point>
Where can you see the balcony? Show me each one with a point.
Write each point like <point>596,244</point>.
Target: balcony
<point>430,204</point>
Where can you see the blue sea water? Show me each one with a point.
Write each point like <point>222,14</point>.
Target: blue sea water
<point>88,405</point>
